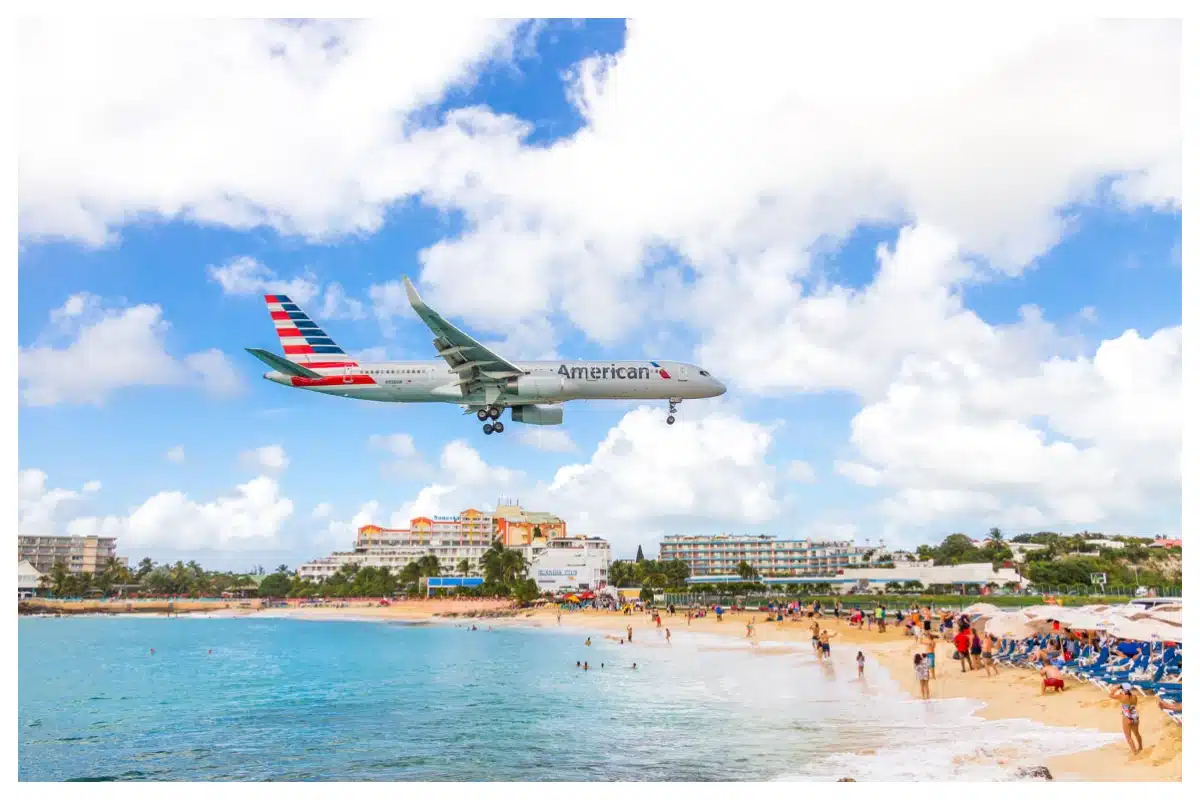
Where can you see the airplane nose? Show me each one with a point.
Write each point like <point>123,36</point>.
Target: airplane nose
<point>720,387</point>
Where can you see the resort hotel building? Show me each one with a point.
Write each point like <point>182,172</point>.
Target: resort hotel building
<point>557,561</point>
<point>78,553</point>
<point>770,557</point>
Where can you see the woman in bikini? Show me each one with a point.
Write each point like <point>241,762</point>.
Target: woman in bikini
<point>1129,715</point>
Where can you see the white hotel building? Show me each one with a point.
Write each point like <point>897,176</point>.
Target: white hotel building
<point>771,557</point>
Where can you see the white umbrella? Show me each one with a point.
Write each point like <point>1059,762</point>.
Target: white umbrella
<point>1147,630</point>
<point>1010,624</point>
<point>981,608</point>
<point>1171,616</point>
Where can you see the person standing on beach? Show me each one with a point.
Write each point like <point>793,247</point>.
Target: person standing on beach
<point>668,635</point>
<point>750,628</point>
<point>931,654</point>
<point>862,663</point>
<point>976,649</point>
<point>629,633</point>
<point>816,637</point>
<point>824,642</point>
<point>962,644</point>
<point>1129,715</point>
<point>922,670</point>
<point>987,657</point>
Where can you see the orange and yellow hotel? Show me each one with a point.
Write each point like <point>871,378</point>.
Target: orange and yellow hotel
<point>511,524</point>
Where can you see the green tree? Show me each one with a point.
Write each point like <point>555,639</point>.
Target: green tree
<point>502,565</point>
<point>277,584</point>
<point>646,595</point>
<point>622,573</point>
<point>59,578</point>
<point>525,592</point>
<point>746,572</point>
<point>639,556</point>
<point>994,535</point>
<point>145,567</point>
<point>464,567</point>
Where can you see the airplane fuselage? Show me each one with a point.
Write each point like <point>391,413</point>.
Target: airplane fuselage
<point>544,382</point>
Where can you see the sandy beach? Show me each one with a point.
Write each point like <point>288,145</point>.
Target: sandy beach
<point>1014,693</point>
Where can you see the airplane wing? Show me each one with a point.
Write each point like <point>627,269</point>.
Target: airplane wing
<point>282,364</point>
<point>475,364</point>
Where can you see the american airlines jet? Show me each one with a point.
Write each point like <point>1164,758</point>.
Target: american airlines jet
<point>469,374</point>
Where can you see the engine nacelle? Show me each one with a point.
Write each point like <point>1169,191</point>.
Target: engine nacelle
<point>538,415</point>
<point>537,387</point>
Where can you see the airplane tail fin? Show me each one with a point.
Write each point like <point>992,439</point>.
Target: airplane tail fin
<point>303,340</point>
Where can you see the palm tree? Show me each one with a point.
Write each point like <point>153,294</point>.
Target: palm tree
<point>59,578</point>
<point>145,567</point>
<point>746,572</point>
<point>994,535</point>
<point>464,567</point>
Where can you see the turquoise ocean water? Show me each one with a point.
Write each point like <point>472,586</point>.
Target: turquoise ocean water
<point>287,699</point>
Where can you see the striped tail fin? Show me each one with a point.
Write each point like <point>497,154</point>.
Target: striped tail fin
<point>303,340</point>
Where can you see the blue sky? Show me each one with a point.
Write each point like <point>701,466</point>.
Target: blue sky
<point>1115,267</point>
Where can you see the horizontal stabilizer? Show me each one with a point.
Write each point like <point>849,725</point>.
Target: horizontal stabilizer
<point>280,364</point>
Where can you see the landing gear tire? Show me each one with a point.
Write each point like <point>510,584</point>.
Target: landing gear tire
<point>494,412</point>
<point>670,419</point>
<point>672,409</point>
<point>498,427</point>
<point>488,429</point>
<point>482,414</point>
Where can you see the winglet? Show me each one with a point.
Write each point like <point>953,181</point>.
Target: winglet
<point>414,299</point>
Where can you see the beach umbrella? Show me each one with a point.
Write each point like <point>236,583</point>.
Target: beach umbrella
<point>981,608</point>
<point>1013,624</point>
<point>1162,614</point>
<point>1147,630</point>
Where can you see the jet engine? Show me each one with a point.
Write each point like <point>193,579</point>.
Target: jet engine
<point>537,387</point>
<point>538,415</point>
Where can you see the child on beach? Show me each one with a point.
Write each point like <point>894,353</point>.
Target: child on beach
<point>862,663</point>
<point>922,670</point>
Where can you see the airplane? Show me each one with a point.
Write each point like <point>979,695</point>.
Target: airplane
<point>469,374</point>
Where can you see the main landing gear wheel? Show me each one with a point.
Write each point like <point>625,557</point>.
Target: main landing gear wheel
<point>488,429</point>
<point>498,427</point>
<point>494,412</point>
<point>482,414</point>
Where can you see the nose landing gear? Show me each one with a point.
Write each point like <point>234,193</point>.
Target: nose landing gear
<point>672,409</point>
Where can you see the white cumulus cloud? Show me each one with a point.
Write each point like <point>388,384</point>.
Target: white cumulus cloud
<point>249,517</point>
<point>269,458</point>
<point>176,455</point>
<point>93,352</point>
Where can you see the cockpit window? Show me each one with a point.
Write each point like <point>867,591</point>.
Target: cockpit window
<point>705,374</point>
